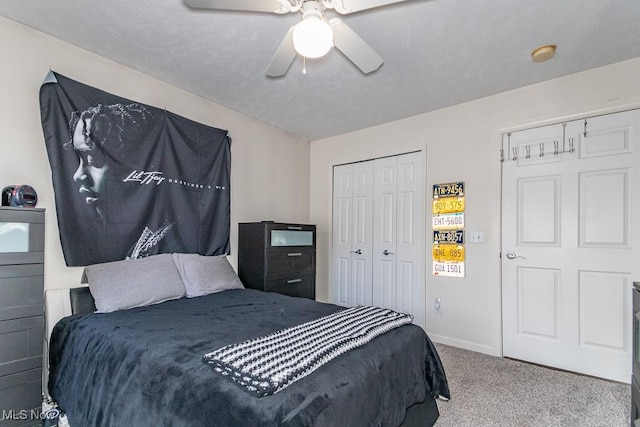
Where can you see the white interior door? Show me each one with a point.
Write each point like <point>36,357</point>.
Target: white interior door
<point>352,234</point>
<point>568,244</point>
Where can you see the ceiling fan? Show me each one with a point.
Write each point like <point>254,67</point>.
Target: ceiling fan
<point>314,36</point>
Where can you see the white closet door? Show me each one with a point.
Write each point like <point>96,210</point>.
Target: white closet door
<point>385,234</point>
<point>398,258</point>
<point>352,234</point>
<point>410,243</point>
<point>378,235</point>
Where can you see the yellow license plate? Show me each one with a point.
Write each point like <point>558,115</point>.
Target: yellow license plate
<point>448,205</point>
<point>448,253</point>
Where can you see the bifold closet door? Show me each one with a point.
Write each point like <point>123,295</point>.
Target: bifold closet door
<point>378,228</point>
<point>398,266</point>
<point>352,234</point>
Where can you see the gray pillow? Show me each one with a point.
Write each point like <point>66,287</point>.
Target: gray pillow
<point>204,275</point>
<point>121,285</point>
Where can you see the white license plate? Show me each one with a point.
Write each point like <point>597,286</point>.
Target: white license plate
<point>448,269</point>
<point>448,221</point>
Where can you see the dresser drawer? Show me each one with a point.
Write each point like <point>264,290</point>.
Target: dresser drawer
<point>296,286</point>
<point>20,394</point>
<point>290,262</point>
<point>21,292</point>
<point>21,344</point>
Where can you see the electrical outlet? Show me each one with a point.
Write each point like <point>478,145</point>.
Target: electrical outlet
<point>437,306</point>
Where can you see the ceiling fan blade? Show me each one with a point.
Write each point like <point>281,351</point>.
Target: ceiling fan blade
<point>349,6</point>
<point>354,48</point>
<point>283,58</point>
<point>273,6</point>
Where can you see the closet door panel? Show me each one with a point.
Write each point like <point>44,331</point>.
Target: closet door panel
<point>410,241</point>
<point>385,203</point>
<point>352,234</point>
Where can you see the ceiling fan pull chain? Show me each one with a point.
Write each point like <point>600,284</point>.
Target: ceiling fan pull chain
<point>304,65</point>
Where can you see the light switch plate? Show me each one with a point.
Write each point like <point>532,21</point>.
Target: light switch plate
<point>476,237</point>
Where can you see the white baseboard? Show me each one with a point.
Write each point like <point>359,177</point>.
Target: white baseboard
<point>467,345</point>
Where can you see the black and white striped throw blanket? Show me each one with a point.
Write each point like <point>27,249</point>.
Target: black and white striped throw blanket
<point>268,364</point>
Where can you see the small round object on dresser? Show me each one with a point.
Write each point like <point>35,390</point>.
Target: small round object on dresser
<point>23,196</point>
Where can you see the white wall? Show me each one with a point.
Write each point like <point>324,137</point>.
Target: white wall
<point>269,172</point>
<point>462,144</point>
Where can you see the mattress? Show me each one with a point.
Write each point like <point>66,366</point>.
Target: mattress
<point>144,366</point>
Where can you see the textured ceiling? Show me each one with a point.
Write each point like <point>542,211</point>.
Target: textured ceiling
<point>437,53</point>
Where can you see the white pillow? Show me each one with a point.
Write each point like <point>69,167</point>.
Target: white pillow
<point>204,275</point>
<point>121,285</point>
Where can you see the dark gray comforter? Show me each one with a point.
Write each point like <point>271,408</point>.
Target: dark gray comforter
<point>144,367</point>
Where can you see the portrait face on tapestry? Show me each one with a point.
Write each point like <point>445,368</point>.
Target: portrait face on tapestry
<point>132,180</point>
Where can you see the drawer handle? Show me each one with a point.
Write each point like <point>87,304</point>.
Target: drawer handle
<point>294,281</point>
<point>294,228</point>
<point>295,254</point>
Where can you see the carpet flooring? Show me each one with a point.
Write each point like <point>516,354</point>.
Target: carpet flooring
<point>494,391</point>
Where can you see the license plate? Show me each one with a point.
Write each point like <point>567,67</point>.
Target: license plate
<point>448,269</point>
<point>448,221</point>
<point>450,189</point>
<point>448,205</point>
<point>448,253</point>
<point>448,236</point>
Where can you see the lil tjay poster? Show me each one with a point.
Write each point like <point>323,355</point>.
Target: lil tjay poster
<point>132,180</point>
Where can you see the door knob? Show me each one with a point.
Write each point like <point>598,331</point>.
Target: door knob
<point>512,255</point>
<point>386,252</point>
<point>358,251</point>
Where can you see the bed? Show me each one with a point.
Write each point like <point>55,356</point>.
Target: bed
<point>144,366</point>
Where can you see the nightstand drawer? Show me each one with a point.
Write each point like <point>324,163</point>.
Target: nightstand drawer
<point>290,262</point>
<point>296,286</point>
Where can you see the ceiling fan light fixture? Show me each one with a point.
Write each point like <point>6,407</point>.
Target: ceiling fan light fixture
<point>312,37</point>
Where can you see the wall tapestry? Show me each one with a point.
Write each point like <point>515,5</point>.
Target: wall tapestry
<point>131,180</point>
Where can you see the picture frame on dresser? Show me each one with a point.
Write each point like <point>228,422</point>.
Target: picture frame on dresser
<point>278,257</point>
<point>21,313</point>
